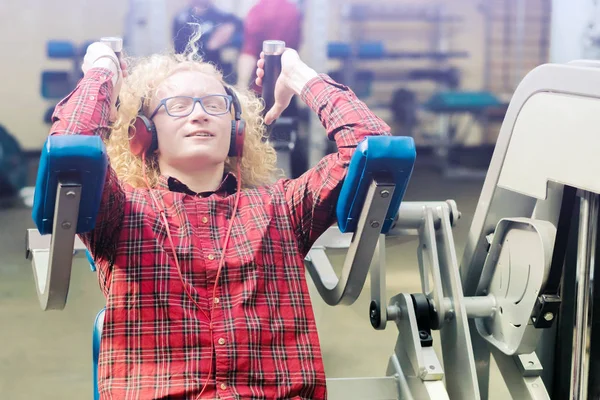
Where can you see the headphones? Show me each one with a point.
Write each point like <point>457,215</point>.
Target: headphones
<point>143,138</point>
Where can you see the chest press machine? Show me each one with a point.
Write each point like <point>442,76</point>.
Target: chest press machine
<point>534,227</point>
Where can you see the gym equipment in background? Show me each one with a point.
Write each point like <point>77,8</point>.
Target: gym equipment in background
<point>13,168</point>
<point>523,291</point>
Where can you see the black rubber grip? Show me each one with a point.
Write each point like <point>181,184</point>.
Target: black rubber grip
<point>272,71</point>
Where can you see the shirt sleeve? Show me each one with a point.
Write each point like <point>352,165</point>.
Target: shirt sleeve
<point>312,198</point>
<point>86,111</point>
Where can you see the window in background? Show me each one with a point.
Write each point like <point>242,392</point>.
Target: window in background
<point>517,40</point>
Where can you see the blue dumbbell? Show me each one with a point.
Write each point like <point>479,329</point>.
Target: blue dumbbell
<point>60,49</point>
<point>338,50</point>
<point>371,50</point>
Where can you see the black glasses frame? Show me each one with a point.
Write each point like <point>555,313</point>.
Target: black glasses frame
<point>200,100</point>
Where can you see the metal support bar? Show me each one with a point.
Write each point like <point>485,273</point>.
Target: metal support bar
<point>459,361</point>
<point>52,268</point>
<point>395,369</point>
<point>423,361</point>
<point>584,295</point>
<point>36,242</point>
<point>378,308</point>
<point>347,288</point>
<point>418,370</point>
<point>523,383</point>
<point>429,264</point>
<point>411,216</point>
<point>478,306</point>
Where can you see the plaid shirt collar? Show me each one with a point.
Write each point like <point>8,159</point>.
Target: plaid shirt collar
<point>227,187</point>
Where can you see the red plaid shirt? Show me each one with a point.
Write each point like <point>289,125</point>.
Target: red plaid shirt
<point>155,342</point>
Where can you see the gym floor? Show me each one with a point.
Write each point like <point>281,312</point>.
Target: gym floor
<point>49,354</point>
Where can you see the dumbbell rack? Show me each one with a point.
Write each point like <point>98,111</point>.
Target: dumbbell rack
<point>56,84</point>
<point>516,41</point>
<point>355,18</point>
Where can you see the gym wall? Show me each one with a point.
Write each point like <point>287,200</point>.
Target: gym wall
<point>465,35</point>
<point>29,24</point>
<point>487,30</point>
<point>26,27</point>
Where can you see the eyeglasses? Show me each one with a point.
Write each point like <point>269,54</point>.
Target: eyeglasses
<point>182,106</point>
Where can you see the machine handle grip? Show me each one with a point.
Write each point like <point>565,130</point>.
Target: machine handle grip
<point>272,49</point>
<point>115,43</point>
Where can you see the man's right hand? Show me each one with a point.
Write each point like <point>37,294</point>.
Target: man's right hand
<point>100,55</point>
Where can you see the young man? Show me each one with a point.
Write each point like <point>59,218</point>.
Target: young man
<point>200,253</point>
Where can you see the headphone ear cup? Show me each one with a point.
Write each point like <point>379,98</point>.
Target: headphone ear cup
<point>232,149</point>
<point>142,136</point>
<point>238,131</point>
<point>240,136</point>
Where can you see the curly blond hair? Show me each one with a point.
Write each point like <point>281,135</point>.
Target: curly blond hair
<point>258,163</point>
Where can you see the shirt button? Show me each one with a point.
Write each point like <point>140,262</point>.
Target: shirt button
<point>221,341</point>
<point>92,98</point>
<point>211,257</point>
<point>204,220</point>
<point>216,300</point>
<point>223,386</point>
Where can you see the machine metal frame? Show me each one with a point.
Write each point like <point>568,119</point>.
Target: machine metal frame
<point>461,301</point>
<point>52,256</point>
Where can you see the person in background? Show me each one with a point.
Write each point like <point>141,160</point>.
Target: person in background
<point>220,30</point>
<point>274,20</point>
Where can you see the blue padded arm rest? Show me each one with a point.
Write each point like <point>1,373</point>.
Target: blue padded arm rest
<point>74,159</point>
<point>390,156</point>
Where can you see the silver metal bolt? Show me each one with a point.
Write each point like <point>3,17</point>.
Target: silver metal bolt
<point>385,193</point>
<point>70,194</point>
<point>374,224</point>
<point>548,316</point>
<point>66,225</point>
